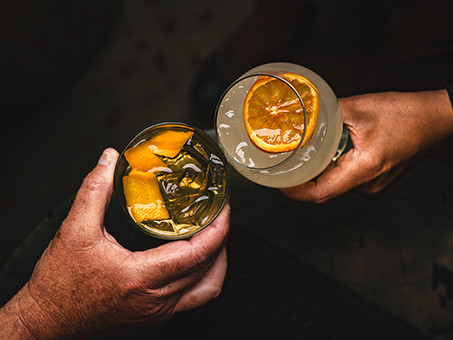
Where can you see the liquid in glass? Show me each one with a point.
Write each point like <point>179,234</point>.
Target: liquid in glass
<point>281,169</point>
<point>171,180</point>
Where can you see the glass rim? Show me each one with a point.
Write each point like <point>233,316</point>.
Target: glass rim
<point>292,153</point>
<point>119,192</point>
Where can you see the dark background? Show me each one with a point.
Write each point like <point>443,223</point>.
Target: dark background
<point>77,77</point>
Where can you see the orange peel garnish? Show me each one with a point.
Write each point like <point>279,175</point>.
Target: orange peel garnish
<point>168,143</point>
<point>143,197</point>
<point>142,158</point>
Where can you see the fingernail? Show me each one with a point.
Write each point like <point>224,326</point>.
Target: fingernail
<point>105,159</point>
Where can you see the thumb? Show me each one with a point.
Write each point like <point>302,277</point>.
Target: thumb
<point>92,199</point>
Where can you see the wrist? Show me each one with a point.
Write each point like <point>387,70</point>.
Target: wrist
<point>23,318</point>
<point>12,325</point>
<point>439,108</point>
<point>449,89</point>
<point>443,105</point>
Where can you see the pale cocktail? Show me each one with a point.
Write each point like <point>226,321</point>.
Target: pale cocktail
<point>316,121</point>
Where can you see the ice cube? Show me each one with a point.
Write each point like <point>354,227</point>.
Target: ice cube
<point>183,187</point>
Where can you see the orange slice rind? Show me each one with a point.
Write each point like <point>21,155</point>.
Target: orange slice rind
<point>143,197</point>
<point>273,114</point>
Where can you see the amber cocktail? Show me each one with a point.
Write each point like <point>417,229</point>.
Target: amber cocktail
<point>171,180</point>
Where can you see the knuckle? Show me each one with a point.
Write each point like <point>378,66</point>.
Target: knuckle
<point>373,192</point>
<point>373,165</point>
<point>370,192</point>
<point>200,256</point>
<point>320,198</point>
<point>216,290</point>
<point>93,182</point>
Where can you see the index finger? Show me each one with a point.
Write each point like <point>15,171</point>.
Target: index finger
<point>177,259</point>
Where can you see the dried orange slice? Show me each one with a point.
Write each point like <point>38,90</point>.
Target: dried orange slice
<point>143,197</point>
<point>273,115</point>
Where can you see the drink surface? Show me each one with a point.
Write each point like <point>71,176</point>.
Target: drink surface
<point>305,164</point>
<point>192,186</point>
<point>284,169</point>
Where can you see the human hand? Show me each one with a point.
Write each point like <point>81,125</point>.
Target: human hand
<point>86,282</point>
<point>390,132</point>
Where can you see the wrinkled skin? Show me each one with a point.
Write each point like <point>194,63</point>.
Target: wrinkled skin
<point>390,132</point>
<point>86,282</point>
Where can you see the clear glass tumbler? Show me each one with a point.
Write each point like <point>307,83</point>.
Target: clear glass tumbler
<point>171,180</point>
<point>281,169</point>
